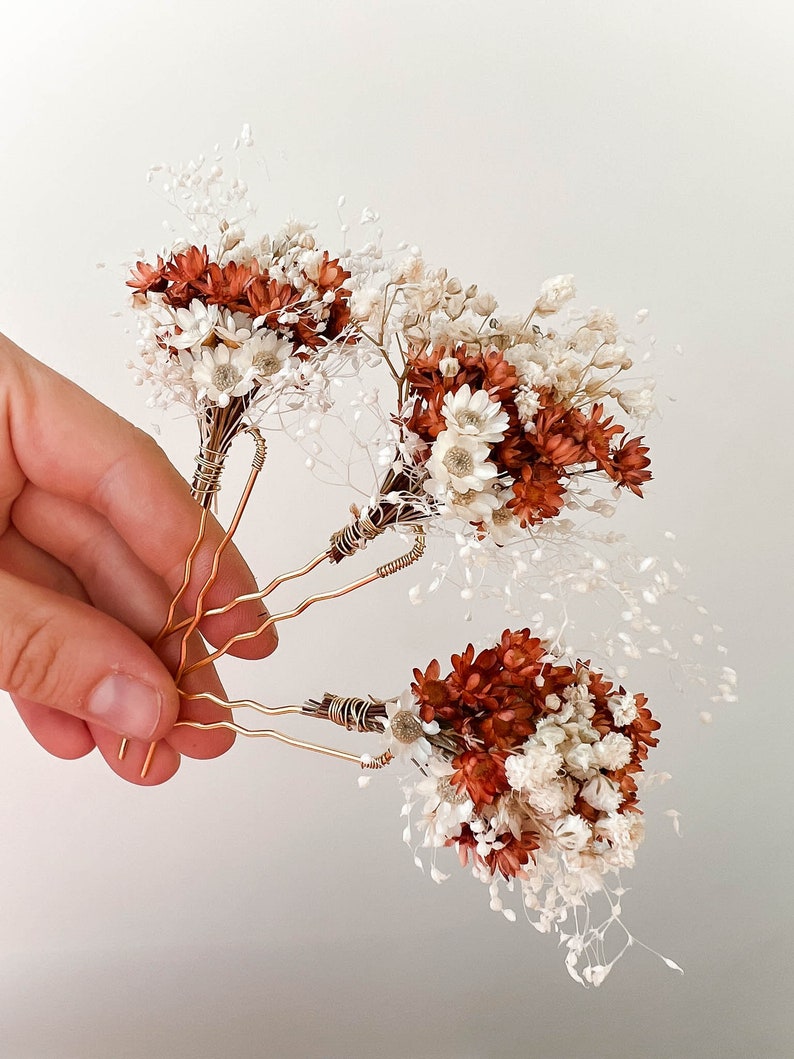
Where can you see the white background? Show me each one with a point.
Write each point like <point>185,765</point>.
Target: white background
<point>262,905</point>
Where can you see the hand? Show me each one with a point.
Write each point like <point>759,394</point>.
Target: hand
<point>95,525</point>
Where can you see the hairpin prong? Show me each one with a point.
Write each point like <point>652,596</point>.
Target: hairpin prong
<point>365,761</point>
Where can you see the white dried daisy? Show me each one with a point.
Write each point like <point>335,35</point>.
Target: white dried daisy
<point>472,506</point>
<point>266,352</point>
<point>196,324</point>
<point>475,415</point>
<point>460,462</point>
<point>446,808</point>
<point>406,730</point>
<point>222,373</point>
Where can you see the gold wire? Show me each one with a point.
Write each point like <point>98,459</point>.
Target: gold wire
<point>259,459</point>
<point>251,704</point>
<point>256,467</point>
<point>378,762</point>
<point>252,597</point>
<point>386,570</point>
<point>166,629</point>
<point>273,619</point>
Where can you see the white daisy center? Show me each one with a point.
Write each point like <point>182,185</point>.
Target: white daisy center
<point>406,727</point>
<point>502,516</point>
<point>463,498</point>
<point>266,364</point>
<point>468,418</point>
<point>458,462</point>
<point>225,377</point>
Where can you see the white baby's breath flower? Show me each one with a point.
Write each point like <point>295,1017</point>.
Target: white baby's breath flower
<point>547,364</point>
<point>639,404</point>
<point>613,751</point>
<point>579,760</point>
<point>602,794</point>
<point>572,833</point>
<point>612,357</point>
<point>554,293</point>
<point>527,402</point>
<point>623,708</point>
<point>365,304</point>
<point>603,321</point>
<point>536,766</point>
<point>555,799</point>
<point>483,304</point>
<point>548,731</point>
<point>409,269</point>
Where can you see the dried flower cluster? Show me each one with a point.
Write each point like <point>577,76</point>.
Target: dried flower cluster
<point>502,438</point>
<point>530,771</point>
<point>244,328</point>
<point>492,432</point>
<point>498,424</point>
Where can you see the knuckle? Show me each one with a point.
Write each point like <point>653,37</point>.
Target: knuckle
<point>28,658</point>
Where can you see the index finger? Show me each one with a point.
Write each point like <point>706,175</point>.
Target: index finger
<point>69,444</point>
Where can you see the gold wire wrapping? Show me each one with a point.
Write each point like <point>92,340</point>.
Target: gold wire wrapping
<point>356,535</point>
<point>404,561</point>
<point>207,476</point>
<point>349,711</point>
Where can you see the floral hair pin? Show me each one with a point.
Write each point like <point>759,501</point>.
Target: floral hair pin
<point>498,437</point>
<point>494,426</point>
<point>527,766</point>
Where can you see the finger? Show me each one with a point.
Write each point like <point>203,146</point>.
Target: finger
<point>115,578</point>
<point>65,442</point>
<point>119,585</point>
<point>62,653</point>
<point>149,769</point>
<point>69,737</point>
<point>163,765</point>
<point>58,733</point>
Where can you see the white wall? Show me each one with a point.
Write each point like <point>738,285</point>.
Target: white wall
<point>262,905</point>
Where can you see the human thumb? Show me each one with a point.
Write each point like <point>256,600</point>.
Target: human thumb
<point>63,653</point>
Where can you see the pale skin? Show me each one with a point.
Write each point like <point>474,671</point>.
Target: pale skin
<point>95,524</point>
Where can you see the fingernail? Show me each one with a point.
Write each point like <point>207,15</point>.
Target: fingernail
<point>129,706</point>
